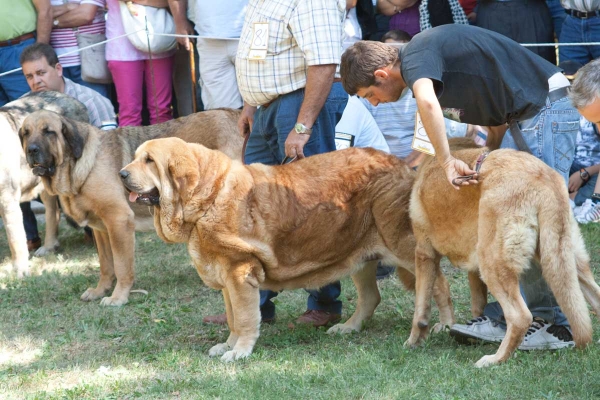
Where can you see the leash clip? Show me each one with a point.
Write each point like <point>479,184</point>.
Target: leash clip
<point>288,160</point>
<point>461,179</point>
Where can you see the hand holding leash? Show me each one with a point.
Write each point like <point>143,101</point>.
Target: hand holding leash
<point>458,173</point>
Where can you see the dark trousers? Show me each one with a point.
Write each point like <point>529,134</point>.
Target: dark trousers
<point>29,221</point>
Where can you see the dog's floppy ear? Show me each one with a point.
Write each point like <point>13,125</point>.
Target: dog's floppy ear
<point>74,137</point>
<point>183,169</point>
<point>22,132</point>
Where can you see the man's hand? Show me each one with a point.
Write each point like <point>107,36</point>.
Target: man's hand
<point>294,144</point>
<point>575,182</point>
<point>246,120</point>
<point>455,168</point>
<point>184,28</point>
<point>182,25</point>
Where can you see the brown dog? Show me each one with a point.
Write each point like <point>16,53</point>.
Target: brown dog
<point>300,225</point>
<point>518,212</point>
<point>80,164</point>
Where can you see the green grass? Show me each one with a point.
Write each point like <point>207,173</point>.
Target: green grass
<point>54,346</point>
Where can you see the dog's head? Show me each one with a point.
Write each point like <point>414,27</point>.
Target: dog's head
<point>49,140</point>
<point>165,174</point>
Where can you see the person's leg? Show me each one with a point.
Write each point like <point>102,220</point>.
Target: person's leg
<point>31,228</point>
<point>128,77</point>
<point>558,15</point>
<point>592,34</point>
<point>218,81</point>
<point>158,75</point>
<point>12,86</point>
<point>573,32</point>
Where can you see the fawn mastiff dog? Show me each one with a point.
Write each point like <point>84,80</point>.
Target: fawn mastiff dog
<point>17,183</point>
<point>518,212</point>
<point>300,225</point>
<point>80,164</point>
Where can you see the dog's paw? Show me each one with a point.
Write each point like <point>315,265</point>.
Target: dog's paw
<point>113,301</point>
<point>234,355</point>
<point>218,349</point>
<point>342,329</point>
<point>22,272</point>
<point>413,342</point>
<point>91,294</point>
<point>44,251</point>
<point>440,327</point>
<point>487,361</point>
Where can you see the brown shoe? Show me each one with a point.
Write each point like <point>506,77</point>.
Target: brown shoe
<point>318,318</point>
<point>221,319</point>
<point>34,244</point>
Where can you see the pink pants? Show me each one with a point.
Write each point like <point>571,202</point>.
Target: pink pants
<point>130,77</point>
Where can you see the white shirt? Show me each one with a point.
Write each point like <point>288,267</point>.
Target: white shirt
<point>357,128</point>
<point>219,19</point>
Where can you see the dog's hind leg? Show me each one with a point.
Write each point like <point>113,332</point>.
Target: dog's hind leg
<point>441,295</point>
<point>427,266</point>
<point>479,291</point>
<point>368,299</point>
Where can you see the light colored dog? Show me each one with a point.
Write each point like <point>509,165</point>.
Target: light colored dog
<point>300,225</point>
<point>17,183</point>
<point>80,164</point>
<point>518,212</point>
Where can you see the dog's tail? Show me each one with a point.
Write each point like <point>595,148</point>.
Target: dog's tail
<point>565,262</point>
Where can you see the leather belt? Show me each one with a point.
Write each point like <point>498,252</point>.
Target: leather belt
<point>267,104</point>
<point>515,129</point>
<point>17,40</point>
<point>582,14</point>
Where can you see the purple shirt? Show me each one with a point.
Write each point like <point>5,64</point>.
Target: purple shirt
<point>407,20</point>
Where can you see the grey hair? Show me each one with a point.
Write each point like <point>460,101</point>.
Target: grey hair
<point>586,86</point>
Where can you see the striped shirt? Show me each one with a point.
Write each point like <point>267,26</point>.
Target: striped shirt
<point>63,40</point>
<point>302,33</point>
<point>581,5</point>
<point>99,107</point>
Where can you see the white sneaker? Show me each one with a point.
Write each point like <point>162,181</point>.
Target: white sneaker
<point>544,336</point>
<point>592,215</point>
<point>582,209</point>
<point>481,328</point>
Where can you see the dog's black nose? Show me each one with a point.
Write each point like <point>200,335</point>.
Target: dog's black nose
<point>123,174</point>
<point>33,149</point>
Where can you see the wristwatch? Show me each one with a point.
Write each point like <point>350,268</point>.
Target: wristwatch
<point>302,129</point>
<point>55,23</point>
<point>584,174</point>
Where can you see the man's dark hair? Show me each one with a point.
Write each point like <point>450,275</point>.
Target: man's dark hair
<point>37,51</point>
<point>361,60</point>
<point>396,35</point>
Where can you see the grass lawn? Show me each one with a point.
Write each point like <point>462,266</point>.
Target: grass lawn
<point>54,346</point>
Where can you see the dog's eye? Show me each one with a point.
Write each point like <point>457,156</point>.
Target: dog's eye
<point>149,160</point>
<point>49,132</point>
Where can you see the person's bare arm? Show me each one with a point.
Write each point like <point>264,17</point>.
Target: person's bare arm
<point>81,14</point>
<point>151,3</point>
<point>44,20</point>
<point>414,158</point>
<point>182,25</point>
<point>318,84</point>
<point>57,11</point>
<point>350,4</point>
<point>495,136</point>
<point>391,7</point>
<point>433,122</point>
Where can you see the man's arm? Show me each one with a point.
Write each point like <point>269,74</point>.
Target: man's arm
<point>433,122</point>
<point>81,14</point>
<point>318,84</point>
<point>44,20</point>
<point>182,25</point>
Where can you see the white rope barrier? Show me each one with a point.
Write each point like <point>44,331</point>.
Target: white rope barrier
<point>206,37</point>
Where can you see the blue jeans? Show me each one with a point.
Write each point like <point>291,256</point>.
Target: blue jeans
<point>74,74</point>
<point>587,189</point>
<point>266,145</point>
<point>29,221</point>
<point>576,30</point>
<point>14,85</point>
<point>558,15</point>
<point>551,136</point>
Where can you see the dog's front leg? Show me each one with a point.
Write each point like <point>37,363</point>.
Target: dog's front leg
<point>107,270</point>
<point>221,348</point>
<point>52,214</point>
<point>244,298</point>
<point>121,234</point>
<point>425,273</point>
<point>13,222</point>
